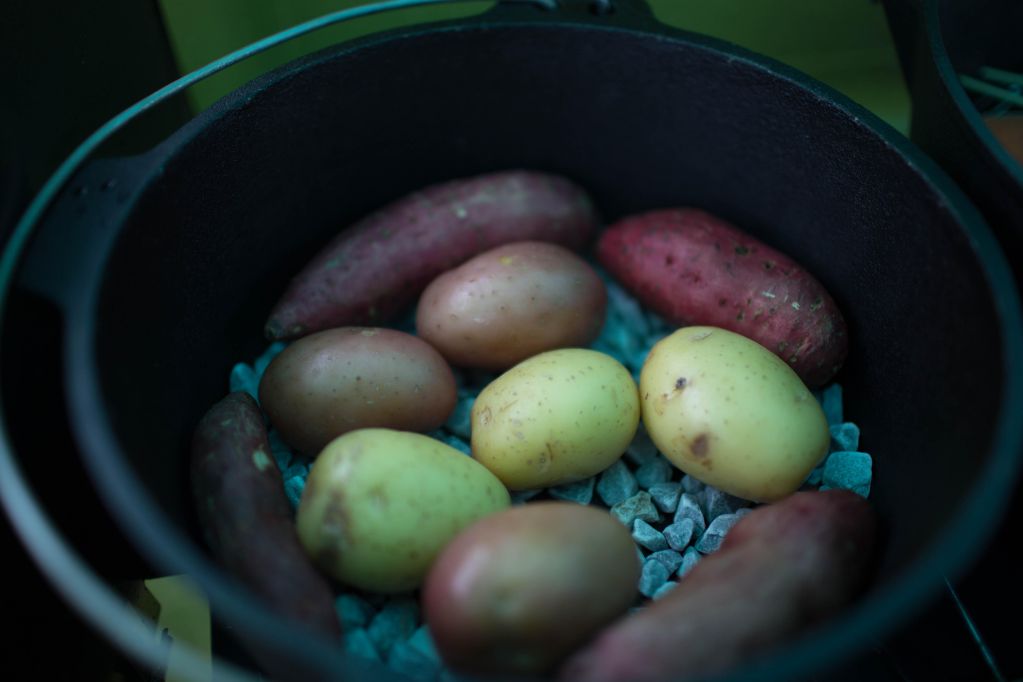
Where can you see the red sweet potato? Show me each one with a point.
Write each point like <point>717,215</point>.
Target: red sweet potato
<point>693,268</point>
<point>782,569</point>
<point>247,519</point>
<point>375,268</point>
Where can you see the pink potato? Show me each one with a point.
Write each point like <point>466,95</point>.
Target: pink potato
<point>693,268</point>
<point>516,592</point>
<point>376,267</point>
<point>782,569</point>
<point>511,303</point>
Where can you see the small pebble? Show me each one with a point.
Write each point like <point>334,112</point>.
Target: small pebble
<point>689,559</point>
<point>646,535</point>
<point>404,658</point>
<point>717,502</point>
<point>831,403</point>
<point>580,492</point>
<point>641,450</point>
<point>666,495</point>
<point>293,488</point>
<point>358,643</point>
<point>422,641</point>
<point>711,539</point>
<point>450,439</point>
<point>657,470</point>
<point>814,479</point>
<point>845,437</point>
<point>665,589</point>
<point>639,506</point>
<point>689,508</point>
<point>353,611</point>
<point>671,559</point>
<point>521,496</point>
<point>616,484</point>
<point>654,575</point>
<point>263,361</point>
<point>680,534</point>
<point>281,452</point>
<point>460,421</point>
<point>627,310</point>
<point>849,471</point>
<point>243,378</point>
<point>396,621</point>
<point>692,485</point>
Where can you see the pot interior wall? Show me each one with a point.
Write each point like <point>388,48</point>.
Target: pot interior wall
<point>252,188</point>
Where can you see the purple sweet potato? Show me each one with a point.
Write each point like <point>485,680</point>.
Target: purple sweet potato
<point>247,519</point>
<point>375,268</point>
<point>694,268</point>
<point>782,569</point>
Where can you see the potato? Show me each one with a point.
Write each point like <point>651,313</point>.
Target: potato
<point>558,417</point>
<point>511,303</point>
<point>782,569</point>
<point>379,265</point>
<point>335,381</point>
<point>694,268</point>
<point>247,521</point>
<point>518,591</point>
<point>379,505</point>
<point>731,413</point>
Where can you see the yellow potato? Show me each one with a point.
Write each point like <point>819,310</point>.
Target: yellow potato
<point>558,417</point>
<point>731,413</point>
<point>379,505</point>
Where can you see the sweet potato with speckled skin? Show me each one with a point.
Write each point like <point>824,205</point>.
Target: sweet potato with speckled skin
<point>372,270</point>
<point>694,268</point>
<point>247,520</point>
<point>779,571</point>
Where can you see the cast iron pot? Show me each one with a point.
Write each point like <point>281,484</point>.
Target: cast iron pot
<point>937,41</point>
<point>159,270</point>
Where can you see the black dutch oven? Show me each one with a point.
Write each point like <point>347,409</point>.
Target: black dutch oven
<point>147,277</point>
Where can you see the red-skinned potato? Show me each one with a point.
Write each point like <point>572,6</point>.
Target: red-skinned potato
<point>518,591</point>
<point>780,570</point>
<point>511,303</point>
<point>379,265</point>
<point>338,380</point>
<point>693,268</point>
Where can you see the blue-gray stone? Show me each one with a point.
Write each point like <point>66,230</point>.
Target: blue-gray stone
<point>649,537</point>
<point>690,558</point>
<point>665,589</point>
<point>523,496</point>
<point>692,485</point>
<point>405,659</point>
<point>243,378</point>
<point>263,361</point>
<point>712,538</point>
<point>358,643</point>
<point>716,502</point>
<point>689,508</point>
<point>670,558</point>
<point>293,488</point>
<point>845,437</point>
<point>616,484</point>
<point>639,506</point>
<point>680,534</point>
<point>580,492</point>
<point>666,495</point>
<point>831,403</point>
<point>281,451</point>
<point>657,470</point>
<point>641,450</point>
<point>452,440</point>
<point>653,575</point>
<point>353,611</point>
<point>460,421</point>
<point>848,471</point>
<point>396,621</point>
<point>422,641</point>
<point>814,479</point>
